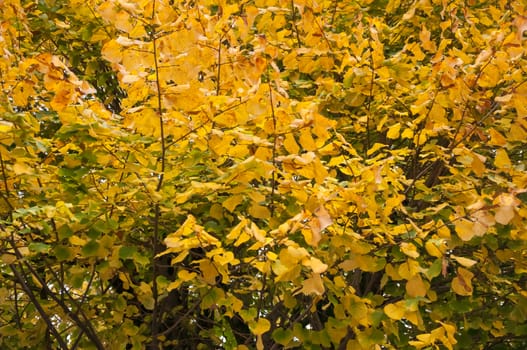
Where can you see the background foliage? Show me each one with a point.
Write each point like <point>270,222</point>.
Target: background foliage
<point>263,174</point>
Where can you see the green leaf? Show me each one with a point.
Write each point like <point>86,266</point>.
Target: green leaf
<point>63,253</point>
<point>39,247</point>
<point>127,252</point>
<point>282,336</point>
<point>90,249</point>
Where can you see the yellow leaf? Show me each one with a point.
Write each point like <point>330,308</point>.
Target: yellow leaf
<point>306,140</point>
<point>260,327</point>
<point>450,331</point>
<point>395,311</point>
<point>256,232</point>
<point>465,229</point>
<point>408,269</point>
<point>489,77</point>
<point>184,275</point>
<point>290,144</point>
<point>375,148</point>
<point>174,239</point>
<point>5,126</point>
<point>237,230</point>
<point>76,240</point>
<point>437,114</point>
<point>393,131</point>
<point>407,133</point>
<point>232,202</point>
<point>502,159</point>
<point>226,258</point>
<point>462,283</point>
<point>259,211</point>
<point>433,249</point>
<point>416,287</point>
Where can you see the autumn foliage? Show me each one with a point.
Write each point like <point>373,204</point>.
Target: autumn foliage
<point>263,174</point>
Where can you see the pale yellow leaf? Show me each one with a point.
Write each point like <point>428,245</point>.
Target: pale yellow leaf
<point>316,265</point>
<point>504,214</point>
<point>22,169</point>
<point>466,262</point>
<point>409,249</point>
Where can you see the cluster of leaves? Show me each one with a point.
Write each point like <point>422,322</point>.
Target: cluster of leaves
<point>263,174</point>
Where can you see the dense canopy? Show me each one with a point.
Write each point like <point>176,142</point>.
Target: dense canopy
<point>263,174</point>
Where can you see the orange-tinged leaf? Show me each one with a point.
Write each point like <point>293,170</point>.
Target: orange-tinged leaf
<point>478,166</point>
<point>462,283</point>
<point>416,287</point>
<point>504,214</point>
<point>496,139</point>
<point>424,36</point>
<point>316,265</point>
<point>209,271</point>
<point>319,223</point>
<point>520,22</point>
<point>313,285</point>
<point>502,159</point>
